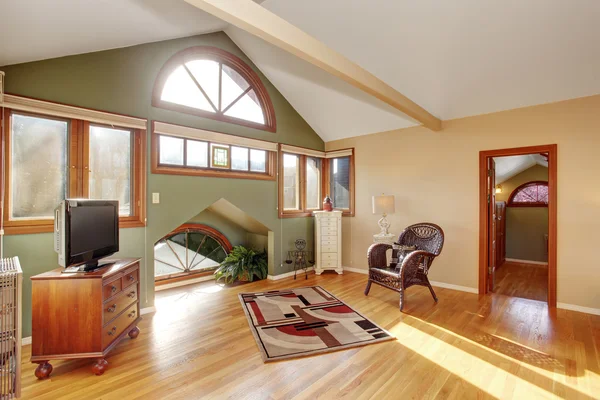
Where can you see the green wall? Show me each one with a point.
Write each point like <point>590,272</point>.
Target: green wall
<point>525,226</point>
<point>233,232</point>
<point>121,81</point>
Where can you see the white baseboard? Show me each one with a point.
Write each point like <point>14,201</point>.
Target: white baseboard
<point>454,287</point>
<point>286,275</point>
<point>516,260</point>
<point>183,283</point>
<point>357,270</point>
<point>147,310</point>
<point>573,307</point>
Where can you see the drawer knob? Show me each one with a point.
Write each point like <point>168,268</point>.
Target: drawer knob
<point>112,308</point>
<point>113,288</point>
<point>131,294</point>
<point>131,314</point>
<point>112,331</point>
<point>130,278</point>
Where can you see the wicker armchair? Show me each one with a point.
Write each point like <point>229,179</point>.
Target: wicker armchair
<point>426,239</point>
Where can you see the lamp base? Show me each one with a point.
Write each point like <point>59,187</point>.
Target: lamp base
<point>384,225</point>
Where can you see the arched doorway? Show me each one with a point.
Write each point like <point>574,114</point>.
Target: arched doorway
<point>190,251</point>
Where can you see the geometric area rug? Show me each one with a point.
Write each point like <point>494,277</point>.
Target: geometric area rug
<point>305,321</point>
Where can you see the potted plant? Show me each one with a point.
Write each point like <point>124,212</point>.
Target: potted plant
<point>243,264</point>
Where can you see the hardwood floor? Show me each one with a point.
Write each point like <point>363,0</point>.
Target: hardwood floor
<point>529,281</point>
<point>198,345</point>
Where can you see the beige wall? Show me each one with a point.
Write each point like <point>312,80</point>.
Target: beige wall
<point>525,226</point>
<point>434,176</point>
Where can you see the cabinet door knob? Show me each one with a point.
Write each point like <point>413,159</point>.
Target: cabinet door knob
<point>131,314</point>
<point>131,294</point>
<point>113,289</point>
<point>112,308</point>
<point>112,331</point>
<point>131,278</point>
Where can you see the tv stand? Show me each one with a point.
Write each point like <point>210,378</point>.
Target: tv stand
<point>84,315</point>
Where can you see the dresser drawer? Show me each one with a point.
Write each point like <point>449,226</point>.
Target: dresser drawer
<point>112,330</point>
<point>130,277</point>
<point>330,248</point>
<point>329,263</point>
<point>328,240</point>
<point>328,256</point>
<point>114,307</point>
<point>329,222</point>
<point>329,230</point>
<point>111,288</point>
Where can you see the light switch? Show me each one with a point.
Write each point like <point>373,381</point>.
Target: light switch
<point>155,198</point>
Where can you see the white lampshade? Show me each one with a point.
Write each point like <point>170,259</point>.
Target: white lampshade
<point>384,204</point>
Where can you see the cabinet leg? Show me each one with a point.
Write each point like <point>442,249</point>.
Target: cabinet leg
<point>134,332</point>
<point>43,370</point>
<point>99,366</point>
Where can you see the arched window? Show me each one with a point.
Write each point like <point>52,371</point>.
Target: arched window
<point>188,250</point>
<point>530,194</point>
<point>212,83</point>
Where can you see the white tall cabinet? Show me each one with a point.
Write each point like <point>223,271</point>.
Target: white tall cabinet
<point>328,241</point>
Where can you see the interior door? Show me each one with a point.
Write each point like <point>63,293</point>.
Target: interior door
<point>491,198</point>
<point>500,233</point>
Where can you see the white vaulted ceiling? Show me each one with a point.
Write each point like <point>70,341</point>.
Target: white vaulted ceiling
<point>507,167</point>
<point>454,58</point>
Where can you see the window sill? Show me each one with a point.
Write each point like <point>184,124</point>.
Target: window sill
<point>181,276</point>
<point>213,173</point>
<point>33,227</point>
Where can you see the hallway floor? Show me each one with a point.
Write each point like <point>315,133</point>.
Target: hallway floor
<point>528,281</point>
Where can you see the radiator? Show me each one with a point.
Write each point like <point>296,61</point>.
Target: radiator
<point>11,281</point>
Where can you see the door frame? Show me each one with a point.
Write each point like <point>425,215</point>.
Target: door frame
<point>551,149</point>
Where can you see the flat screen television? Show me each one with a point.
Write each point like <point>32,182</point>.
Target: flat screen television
<point>85,231</point>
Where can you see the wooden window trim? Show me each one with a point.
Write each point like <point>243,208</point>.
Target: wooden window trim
<point>214,172</point>
<point>325,181</point>
<point>232,61</point>
<point>78,175</point>
<point>511,198</point>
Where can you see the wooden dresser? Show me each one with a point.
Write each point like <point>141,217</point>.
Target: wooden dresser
<point>84,315</point>
<point>328,241</point>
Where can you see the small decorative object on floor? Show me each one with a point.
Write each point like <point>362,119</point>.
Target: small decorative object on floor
<point>327,205</point>
<point>298,322</point>
<point>300,257</point>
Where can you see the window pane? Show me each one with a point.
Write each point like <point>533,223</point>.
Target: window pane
<point>38,166</point>
<point>291,186</point>
<point>340,182</point>
<point>247,108</point>
<point>110,166</point>
<point>171,150</point>
<point>206,73</point>
<point>197,154</point>
<point>220,156</point>
<point>313,183</point>
<point>181,89</point>
<point>233,85</point>
<point>239,158</point>
<point>258,160</point>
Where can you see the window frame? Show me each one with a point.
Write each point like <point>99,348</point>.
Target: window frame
<point>77,173</point>
<point>233,62</point>
<point>209,171</point>
<point>303,211</point>
<point>511,202</point>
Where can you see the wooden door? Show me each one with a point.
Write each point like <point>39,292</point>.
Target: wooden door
<point>500,233</point>
<point>491,199</point>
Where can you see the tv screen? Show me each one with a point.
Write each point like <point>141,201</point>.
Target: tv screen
<point>86,231</point>
<point>92,228</point>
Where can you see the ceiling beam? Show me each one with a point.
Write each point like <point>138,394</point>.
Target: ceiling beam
<point>255,19</point>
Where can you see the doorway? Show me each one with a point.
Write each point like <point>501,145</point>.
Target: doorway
<point>492,215</point>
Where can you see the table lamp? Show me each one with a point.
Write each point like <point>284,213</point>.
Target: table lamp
<point>384,204</point>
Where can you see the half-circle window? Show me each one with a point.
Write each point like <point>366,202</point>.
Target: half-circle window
<point>530,194</point>
<point>189,249</point>
<point>212,83</point>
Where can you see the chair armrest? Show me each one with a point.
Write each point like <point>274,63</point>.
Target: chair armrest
<point>413,260</point>
<point>376,255</point>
